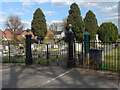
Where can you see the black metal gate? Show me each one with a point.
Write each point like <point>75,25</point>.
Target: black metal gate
<point>51,53</point>
<point>102,55</point>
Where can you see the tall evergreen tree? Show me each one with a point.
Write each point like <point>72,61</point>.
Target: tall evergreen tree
<point>91,24</point>
<point>38,25</point>
<point>75,19</point>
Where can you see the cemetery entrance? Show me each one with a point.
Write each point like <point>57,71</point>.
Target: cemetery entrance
<point>49,52</point>
<point>89,54</point>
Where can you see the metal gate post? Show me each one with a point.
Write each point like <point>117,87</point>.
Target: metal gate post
<point>70,40</point>
<point>47,55</point>
<point>9,50</point>
<point>28,50</point>
<point>82,55</point>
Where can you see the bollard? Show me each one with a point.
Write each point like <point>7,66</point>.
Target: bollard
<point>28,50</point>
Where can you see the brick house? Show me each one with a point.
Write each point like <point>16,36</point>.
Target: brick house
<point>8,34</point>
<point>2,35</point>
<point>20,34</point>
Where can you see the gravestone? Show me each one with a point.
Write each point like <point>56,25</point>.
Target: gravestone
<point>6,48</point>
<point>97,40</point>
<point>55,46</point>
<point>78,47</point>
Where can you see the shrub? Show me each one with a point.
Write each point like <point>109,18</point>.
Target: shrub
<point>108,32</point>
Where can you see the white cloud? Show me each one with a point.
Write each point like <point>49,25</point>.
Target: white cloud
<point>87,4</point>
<point>18,13</point>
<point>50,12</point>
<point>109,11</point>
<point>28,3</point>
<point>1,13</point>
<point>27,24</point>
<point>113,18</point>
<point>56,21</point>
<point>53,21</point>
<point>81,3</point>
<point>62,2</point>
<point>59,0</point>
<point>2,19</point>
<point>115,14</point>
<point>42,1</point>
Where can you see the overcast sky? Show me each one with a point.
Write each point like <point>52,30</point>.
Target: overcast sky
<point>56,10</point>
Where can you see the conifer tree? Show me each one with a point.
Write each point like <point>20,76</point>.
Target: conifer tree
<point>75,19</point>
<point>91,24</point>
<point>38,25</point>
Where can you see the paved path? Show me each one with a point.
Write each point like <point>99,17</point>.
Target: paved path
<point>54,77</point>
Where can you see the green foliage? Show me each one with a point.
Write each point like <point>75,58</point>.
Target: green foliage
<point>38,25</point>
<point>119,36</point>
<point>22,39</point>
<point>42,60</point>
<point>14,59</point>
<point>0,40</point>
<point>75,19</point>
<point>108,32</point>
<point>91,24</point>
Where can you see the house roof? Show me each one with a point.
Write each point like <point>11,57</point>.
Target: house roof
<point>2,31</point>
<point>20,32</point>
<point>17,32</point>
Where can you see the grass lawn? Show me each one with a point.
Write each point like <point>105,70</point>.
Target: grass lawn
<point>41,60</point>
<point>13,60</point>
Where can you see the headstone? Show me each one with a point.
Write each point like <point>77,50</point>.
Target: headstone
<point>78,47</point>
<point>55,46</point>
<point>62,35</point>
<point>97,40</point>
<point>20,44</point>
<point>6,48</point>
<point>0,53</point>
<point>16,51</point>
<point>49,46</point>
<point>62,47</point>
<point>32,46</point>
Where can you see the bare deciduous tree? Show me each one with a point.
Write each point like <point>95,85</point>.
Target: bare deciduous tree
<point>14,24</point>
<point>54,26</point>
<point>64,24</point>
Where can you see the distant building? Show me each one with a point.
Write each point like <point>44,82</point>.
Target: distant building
<point>49,34</point>
<point>20,34</point>
<point>57,34</point>
<point>2,35</point>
